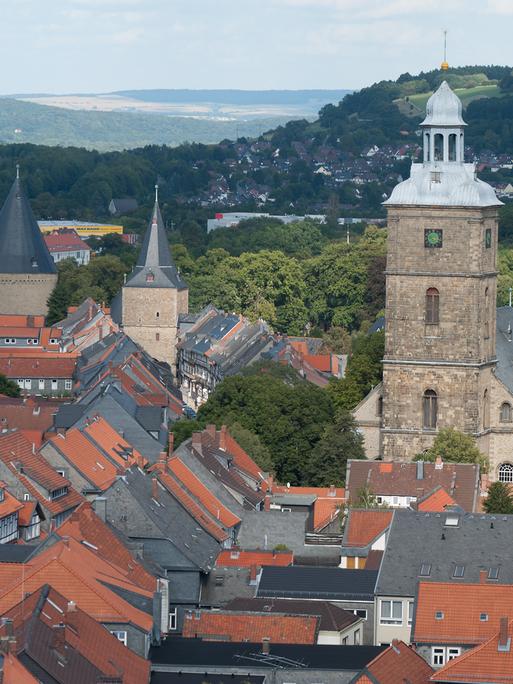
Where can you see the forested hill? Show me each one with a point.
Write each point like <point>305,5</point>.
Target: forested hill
<point>301,167</point>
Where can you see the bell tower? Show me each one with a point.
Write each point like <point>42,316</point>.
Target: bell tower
<point>440,292</point>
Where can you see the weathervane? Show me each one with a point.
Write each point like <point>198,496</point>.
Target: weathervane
<point>445,65</point>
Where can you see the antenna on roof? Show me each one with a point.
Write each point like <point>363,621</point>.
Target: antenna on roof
<point>17,171</point>
<point>445,65</point>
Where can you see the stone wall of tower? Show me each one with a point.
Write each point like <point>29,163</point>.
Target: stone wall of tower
<point>455,357</point>
<point>150,318</point>
<point>26,294</point>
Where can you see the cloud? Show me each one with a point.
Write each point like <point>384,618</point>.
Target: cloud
<point>499,7</point>
<point>376,9</point>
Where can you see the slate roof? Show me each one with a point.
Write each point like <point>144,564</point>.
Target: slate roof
<point>253,627</point>
<point>183,652</point>
<point>332,584</point>
<point>478,542</point>
<point>399,663</point>
<point>504,368</point>
<point>462,607</point>
<point>22,247</point>
<point>399,478</point>
<point>155,259</point>
<point>333,618</point>
<point>88,651</point>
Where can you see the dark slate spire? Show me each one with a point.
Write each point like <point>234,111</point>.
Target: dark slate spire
<point>22,247</point>
<point>155,266</point>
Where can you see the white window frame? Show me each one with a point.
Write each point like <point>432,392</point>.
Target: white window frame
<point>55,384</point>
<point>173,620</point>
<point>437,656</point>
<point>28,383</point>
<point>410,612</point>
<point>121,635</point>
<point>453,652</point>
<point>391,620</point>
<point>68,384</point>
<point>41,383</point>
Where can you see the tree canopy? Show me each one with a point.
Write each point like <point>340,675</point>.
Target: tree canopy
<point>499,499</point>
<point>457,447</point>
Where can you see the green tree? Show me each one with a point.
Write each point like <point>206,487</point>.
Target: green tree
<point>336,340</point>
<point>183,429</point>
<point>456,447</point>
<point>8,387</point>
<point>365,498</point>
<point>252,445</point>
<point>499,499</point>
<point>338,443</point>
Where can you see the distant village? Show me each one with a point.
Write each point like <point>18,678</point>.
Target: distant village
<point>128,559</point>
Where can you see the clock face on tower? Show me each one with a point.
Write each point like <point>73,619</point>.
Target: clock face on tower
<point>432,237</point>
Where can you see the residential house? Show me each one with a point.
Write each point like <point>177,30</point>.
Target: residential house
<point>217,345</point>
<point>85,325</point>
<point>66,244</point>
<point>449,547</point>
<point>398,663</point>
<point>323,505</point>
<point>40,375</point>
<point>352,590</point>
<point>489,663</point>
<point>449,620</point>
<point>306,356</point>
<point>365,531</point>
<point>102,590</point>
<point>336,626</point>
<point>402,484</point>
<point>52,639</point>
<point>49,496</point>
<point>32,416</point>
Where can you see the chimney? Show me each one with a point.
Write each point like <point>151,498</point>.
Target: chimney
<point>395,646</point>
<point>483,576</point>
<point>504,644</point>
<point>59,638</point>
<point>332,490</point>
<point>222,437</point>
<point>72,607</point>
<point>439,464</point>
<point>420,470</point>
<point>170,444</point>
<point>211,430</point>
<point>100,507</point>
<point>196,440</point>
<point>266,642</point>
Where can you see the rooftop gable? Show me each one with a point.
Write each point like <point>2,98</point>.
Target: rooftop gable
<point>399,663</point>
<point>364,526</point>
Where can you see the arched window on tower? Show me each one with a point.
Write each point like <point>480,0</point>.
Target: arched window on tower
<point>452,147</point>
<point>486,410</point>
<point>427,142</point>
<point>432,316</point>
<point>439,147</point>
<point>505,414</point>
<point>430,409</point>
<point>506,472</point>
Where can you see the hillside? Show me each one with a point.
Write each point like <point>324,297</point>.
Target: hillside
<point>44,125</point>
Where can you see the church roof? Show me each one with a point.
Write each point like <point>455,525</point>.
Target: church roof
<point>155,266</point>
<point>22,247</point>
<point>443,108</point>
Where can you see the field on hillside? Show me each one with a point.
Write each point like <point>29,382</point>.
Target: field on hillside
<point>466,95</point>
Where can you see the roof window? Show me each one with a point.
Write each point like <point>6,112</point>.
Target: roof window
<point>439,615</point>
<point>459,571</point>
<point>484,617</point>
<point>493,573</point>
<point>425,570</point>
<point>452,521</point>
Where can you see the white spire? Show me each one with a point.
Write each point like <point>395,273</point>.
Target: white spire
<point>18,171</point>
<point>156,193</point>
<point>443,108</point>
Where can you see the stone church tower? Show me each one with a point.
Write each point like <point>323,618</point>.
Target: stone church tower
<point>440,293</point>
<point>154,295</point>
<point>27,270</point>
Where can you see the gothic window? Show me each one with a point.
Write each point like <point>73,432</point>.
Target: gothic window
<point>430,409</point>
<point>486,410</point>
<point>506,472</point>
<point>439,147</point>
<point>505,414</point>
<point>379,407</point>
<point>432,306</point>
<point>452,147</point>
<point>488,238</point>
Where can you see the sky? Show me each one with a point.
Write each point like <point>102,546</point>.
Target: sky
<point>75,46</point>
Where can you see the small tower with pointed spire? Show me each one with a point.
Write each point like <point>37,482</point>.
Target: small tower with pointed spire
<point>154,294</point>
<point>27,271</point>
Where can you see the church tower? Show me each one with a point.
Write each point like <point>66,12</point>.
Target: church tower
<point>440,292</point>
<point>154,295</point>
<point>27,270</point>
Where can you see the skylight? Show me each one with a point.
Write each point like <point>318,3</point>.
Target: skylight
<point>452,521</point>
<point>425,570</point>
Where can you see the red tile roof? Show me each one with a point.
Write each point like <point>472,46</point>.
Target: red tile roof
<point>87,459</point>
<point>462,606</point>
<point>364,526</point>
<point>82,634</point>
<point>71,567</point>
<point>253,627</point>
<point>247,559</point>
<point>202,494</point>
<point>27,413</point>
<point>485,664</point>
<point>86,527</point>
<point>436,501</point>
<point>112,443</point>
<point>399,663</point>
<point>190,505</point>
<point>65,241</point>
<point>10,504</point>
<point>37,367</point>
<point>21,320</point>
<point>460,480</point>
<point>16,673</point>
